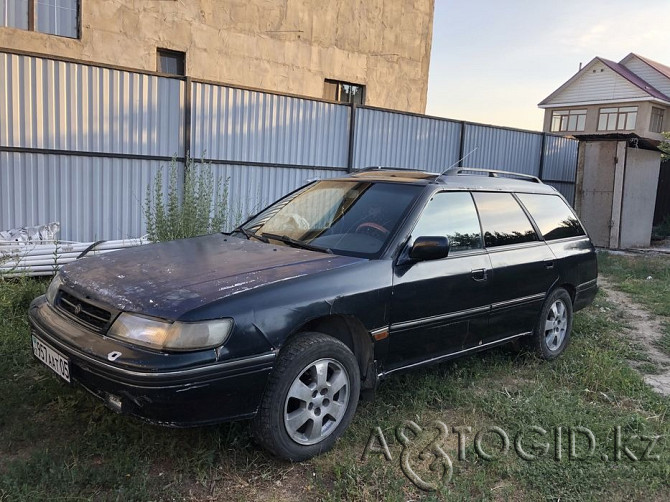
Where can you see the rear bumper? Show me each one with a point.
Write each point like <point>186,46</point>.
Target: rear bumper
<point>186,396</point>
<point>585,294</point>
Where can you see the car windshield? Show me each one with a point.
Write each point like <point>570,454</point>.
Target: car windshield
<point>346,217</point>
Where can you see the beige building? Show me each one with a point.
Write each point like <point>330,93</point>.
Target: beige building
<point>631,97</point>
<point>372,52</point>
<point>618,112</point>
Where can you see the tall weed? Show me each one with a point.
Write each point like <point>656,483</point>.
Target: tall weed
<point>193,205</point>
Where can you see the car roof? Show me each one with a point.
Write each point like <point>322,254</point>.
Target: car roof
<point>463,178</point>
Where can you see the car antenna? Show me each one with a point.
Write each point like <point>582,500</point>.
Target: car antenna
<point>461,159</point>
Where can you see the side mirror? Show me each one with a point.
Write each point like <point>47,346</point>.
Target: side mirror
<point>429,248</point>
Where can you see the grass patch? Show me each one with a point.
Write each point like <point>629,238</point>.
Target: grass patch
<point>647,278</point>
<point>57,441</point>
<point>649,368</point>
<point>663,343</point>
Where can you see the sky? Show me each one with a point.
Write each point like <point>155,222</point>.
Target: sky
<point>494,61</point>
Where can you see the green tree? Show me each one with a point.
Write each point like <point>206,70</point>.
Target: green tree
<point>665,146</point>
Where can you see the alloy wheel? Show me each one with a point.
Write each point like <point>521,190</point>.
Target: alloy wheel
<point>316,401</point>
<point>555,325</point>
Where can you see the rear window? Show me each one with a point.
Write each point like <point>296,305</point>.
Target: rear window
<point>503,220</point>
<point>553,216</point>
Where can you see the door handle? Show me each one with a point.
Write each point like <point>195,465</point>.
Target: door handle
<point>479,274</point>
<point>548,264</point>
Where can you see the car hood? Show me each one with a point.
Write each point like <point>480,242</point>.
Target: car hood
<point>168,279</point>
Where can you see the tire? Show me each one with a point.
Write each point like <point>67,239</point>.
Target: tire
<point>552,331</point>
<point>310,399</point>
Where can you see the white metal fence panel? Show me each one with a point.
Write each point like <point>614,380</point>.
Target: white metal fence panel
<point>566,189</point>
<point>389,139</point>
<point>507,149</point>
<point>60,105</point>
<point>240,125</point>
<point>93,198</point>
<point>251,188</point>
<point>123,125</point>
<point>560,158</point>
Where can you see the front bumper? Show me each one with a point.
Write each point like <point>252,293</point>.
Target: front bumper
<point>170,389</point>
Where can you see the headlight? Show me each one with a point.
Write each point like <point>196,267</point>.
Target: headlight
<point>159,334</point>
<point>52,291</point>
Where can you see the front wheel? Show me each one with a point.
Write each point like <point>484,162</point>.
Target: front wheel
<point>311,397</point>
<point>552,332</point>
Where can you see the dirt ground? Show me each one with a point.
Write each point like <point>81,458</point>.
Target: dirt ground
<point>646,329</point>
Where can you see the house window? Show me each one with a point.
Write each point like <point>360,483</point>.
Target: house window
<point>173,62</point>
<point>344,92</point>
<point>568,120</point>
<point>656,124</point>
<point>14,14</point>
<point>617,119</point>
<point>55,17</point>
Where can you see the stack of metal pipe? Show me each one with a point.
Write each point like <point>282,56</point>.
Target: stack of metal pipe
<point>46,257</point>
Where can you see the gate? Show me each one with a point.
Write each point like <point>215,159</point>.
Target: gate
<point>662,210</point>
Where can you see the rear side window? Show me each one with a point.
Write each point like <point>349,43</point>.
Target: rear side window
<point>553,216</point>
<point>503,220</point>
<point>451,214</point>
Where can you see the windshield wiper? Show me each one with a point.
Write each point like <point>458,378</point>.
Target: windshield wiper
<point>249,234</point>
<point>295,243</point>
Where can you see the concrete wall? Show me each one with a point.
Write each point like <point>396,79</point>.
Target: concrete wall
<point>639,197</point>
<point>286,46</point>
<point>593,111</point>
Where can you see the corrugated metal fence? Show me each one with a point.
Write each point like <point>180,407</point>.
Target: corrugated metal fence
<point>80,143</point>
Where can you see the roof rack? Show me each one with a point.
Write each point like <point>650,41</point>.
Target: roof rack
<point>491,173</point>
<point>382,168</point>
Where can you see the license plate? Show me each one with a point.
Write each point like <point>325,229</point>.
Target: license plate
<point>58,363</point>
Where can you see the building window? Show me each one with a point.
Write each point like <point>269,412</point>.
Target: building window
<point>55,17</point>
<point>344,92</point>
<point>656,124</point>
<point>14,13</point>
<point>617,119</point>
<point>568,120</point>
<point>172,62</point>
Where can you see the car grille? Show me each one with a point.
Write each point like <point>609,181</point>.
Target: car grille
<point>83,311</point>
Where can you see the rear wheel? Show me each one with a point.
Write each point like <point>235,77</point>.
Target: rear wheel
<point>311,397</point>
<point>552,332</point>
